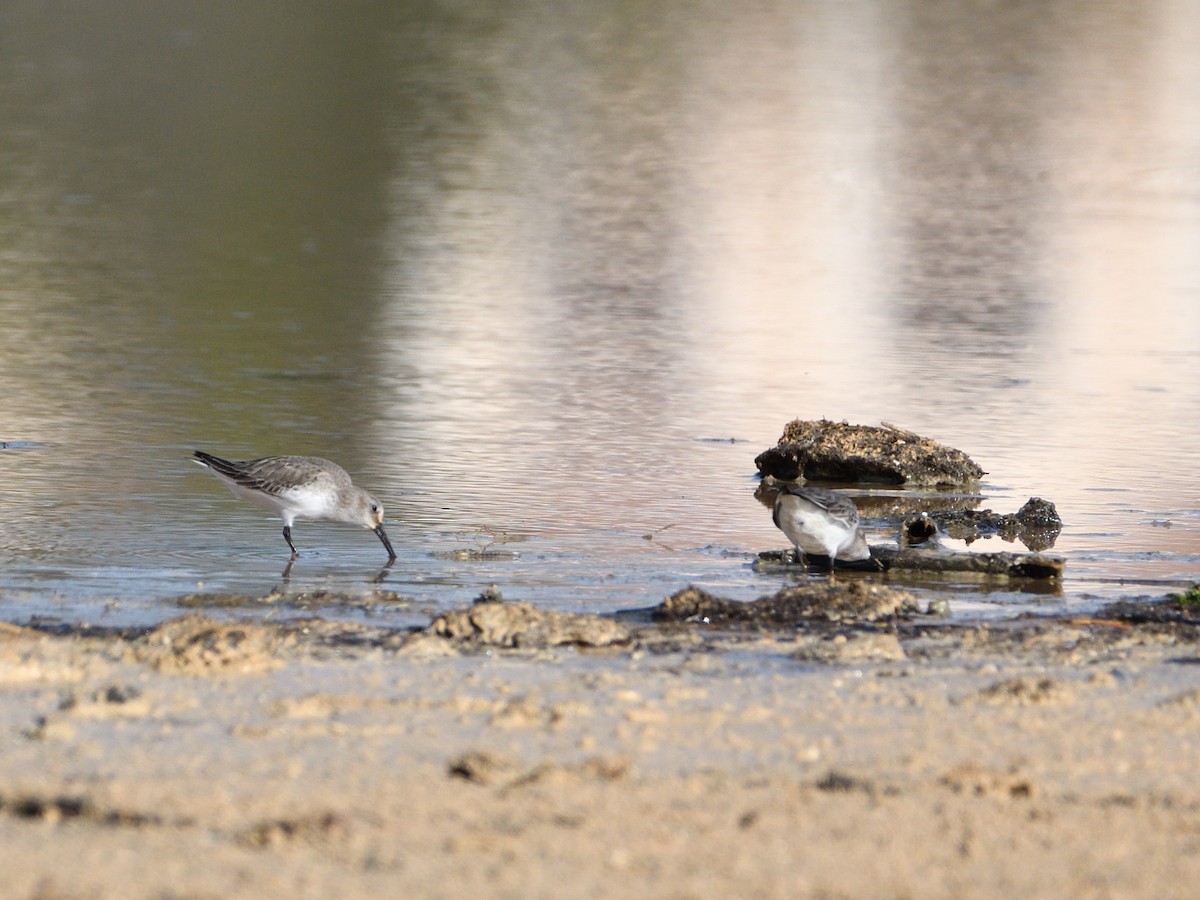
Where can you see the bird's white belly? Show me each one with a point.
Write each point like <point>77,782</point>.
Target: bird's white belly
<point>306,503</point>
<point>297,503</point>
<point>812,532</point>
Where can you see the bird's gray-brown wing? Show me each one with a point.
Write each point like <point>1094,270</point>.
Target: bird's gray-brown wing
<point>838,506</point>
<point>269,474</point>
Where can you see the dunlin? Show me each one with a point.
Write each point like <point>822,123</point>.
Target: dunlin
<point>300,487</point>
<point>821,522</point>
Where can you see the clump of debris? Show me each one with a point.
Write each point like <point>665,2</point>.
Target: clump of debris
<point>493,622</point>
<point>840,603</point>
<point>1036,525</point>
<point>822,450</point>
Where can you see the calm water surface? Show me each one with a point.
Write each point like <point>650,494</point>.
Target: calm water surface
<point>547,279</point>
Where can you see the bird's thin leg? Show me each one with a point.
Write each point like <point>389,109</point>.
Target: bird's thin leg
<point>287,536</point>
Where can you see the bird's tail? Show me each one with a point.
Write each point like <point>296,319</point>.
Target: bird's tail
<point>218,465</point>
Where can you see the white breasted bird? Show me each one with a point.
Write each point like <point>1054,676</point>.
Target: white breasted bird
<point>821,522</point>
<point>300,487</point>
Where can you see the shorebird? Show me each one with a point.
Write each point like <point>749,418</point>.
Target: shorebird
<point>300,487</point>
<point>822,522</point>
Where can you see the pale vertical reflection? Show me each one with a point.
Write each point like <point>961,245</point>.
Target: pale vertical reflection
<point>1128,313</point>
<point>782,212</point>
<point>537,304</point>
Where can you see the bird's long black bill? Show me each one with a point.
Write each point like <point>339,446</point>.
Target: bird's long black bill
<point>382,535</point>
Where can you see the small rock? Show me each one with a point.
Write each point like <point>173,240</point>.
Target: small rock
<point>1039,513</point>
<point>939,607</point>
<point>483,767</point>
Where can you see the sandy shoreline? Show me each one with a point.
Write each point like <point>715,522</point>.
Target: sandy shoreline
<point>1047,759</point>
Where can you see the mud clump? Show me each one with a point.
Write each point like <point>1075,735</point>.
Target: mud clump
<point>1038,513</point>
<point>852,649</point>
<point>835,603</point>
<point>1026,691</point>
<point>1177,613</point>
<point>325,829</point>
<point>485,768</point>
<point>832,451</point>
<point>494,623</point>
<point>1032,566</point>
<point>1036,525</point>
<point>978,780</point>
<point>197,645</point>
<point>792,559</point>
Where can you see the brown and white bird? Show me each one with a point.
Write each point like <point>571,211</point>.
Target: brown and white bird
<point>300,487</point>
<point>821,522</point>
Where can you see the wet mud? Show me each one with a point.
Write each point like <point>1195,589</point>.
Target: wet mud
<point>704,746</point>
<point>665,748</point>
<point>294,600</point>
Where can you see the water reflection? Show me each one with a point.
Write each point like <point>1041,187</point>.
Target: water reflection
<point>508,266</point>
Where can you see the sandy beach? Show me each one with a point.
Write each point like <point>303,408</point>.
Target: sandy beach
<point>204,759</point>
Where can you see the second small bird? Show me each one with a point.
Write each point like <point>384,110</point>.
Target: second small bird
<point>300,487</point>
<point>822,522</point>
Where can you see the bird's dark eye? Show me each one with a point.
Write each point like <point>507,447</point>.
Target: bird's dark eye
<point>374,507</point>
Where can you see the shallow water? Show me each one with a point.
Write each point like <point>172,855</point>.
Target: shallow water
<point>546,283</point>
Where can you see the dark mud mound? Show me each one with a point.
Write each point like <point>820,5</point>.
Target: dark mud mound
<point>923,562</point>
<point>792,559</point>
<point>843,604</point>
<point>836,451</point>
<point>1175,610</point>
<point>1033,566</point>
<point>1036,525</point>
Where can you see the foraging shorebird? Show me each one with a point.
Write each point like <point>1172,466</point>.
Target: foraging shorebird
<point>821,522</point>
<point>300,487</point>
